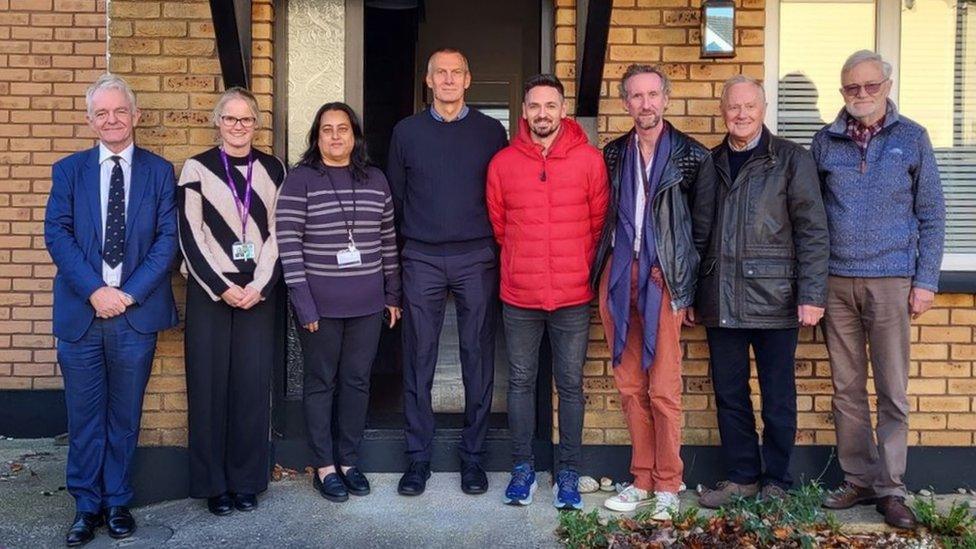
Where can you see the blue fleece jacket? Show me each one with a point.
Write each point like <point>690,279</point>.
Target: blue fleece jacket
<point>885,208</point>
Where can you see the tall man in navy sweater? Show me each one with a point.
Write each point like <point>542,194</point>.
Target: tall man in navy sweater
<point>437,170</point>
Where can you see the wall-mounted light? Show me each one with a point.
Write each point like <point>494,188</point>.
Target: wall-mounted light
<point>717,29</point>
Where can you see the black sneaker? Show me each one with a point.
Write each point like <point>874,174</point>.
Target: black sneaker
<point>355,481</point>
<point>331,487</point>
<point>414,481</point>
<point>474,481</point>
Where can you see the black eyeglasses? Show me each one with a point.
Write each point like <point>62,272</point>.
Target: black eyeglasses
<point>231,121</point>
<point>871,88</point>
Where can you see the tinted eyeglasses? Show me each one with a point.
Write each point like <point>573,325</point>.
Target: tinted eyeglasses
<point>871,88</point>
<point>231,121</point>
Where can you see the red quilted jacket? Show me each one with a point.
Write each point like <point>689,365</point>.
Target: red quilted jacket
<point>547,214</point>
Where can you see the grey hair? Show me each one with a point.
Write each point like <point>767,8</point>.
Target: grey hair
<point>430,60</point>
<point>109,81</point>
<point>243,94</point>
<point>741,79</point>
<point>864,56</point>
<point>637,68</point>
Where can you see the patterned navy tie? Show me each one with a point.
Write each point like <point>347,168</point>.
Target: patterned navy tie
<point>115,217</point>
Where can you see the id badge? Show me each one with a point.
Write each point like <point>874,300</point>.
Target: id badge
<point>349,257</point>
<point>243,251</point>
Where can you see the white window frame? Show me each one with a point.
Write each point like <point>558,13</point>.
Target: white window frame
<point>887,38</point>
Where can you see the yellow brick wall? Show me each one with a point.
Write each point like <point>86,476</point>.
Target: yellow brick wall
<point>50,52</point>
<point>942,391</point>
<point>167,51</point>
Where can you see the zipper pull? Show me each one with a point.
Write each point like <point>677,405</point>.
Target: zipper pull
<point>864,166</point>
<point>542,176</point>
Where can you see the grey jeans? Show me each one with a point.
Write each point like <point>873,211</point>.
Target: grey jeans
<point>568,336</point>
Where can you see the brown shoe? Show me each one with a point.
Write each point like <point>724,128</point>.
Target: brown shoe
<point>724,492</point>
<point>895,512</point>
<point>772,491</point>
<point>848,495</point>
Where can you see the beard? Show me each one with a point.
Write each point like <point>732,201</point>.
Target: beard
<point>646,121</point>
<point>543,127</point>
<point>861,111</point>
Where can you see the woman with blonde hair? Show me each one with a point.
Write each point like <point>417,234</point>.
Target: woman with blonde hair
<point>226,199</point>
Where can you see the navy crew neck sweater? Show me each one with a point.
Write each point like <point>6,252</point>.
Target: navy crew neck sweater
<point>437,173</point>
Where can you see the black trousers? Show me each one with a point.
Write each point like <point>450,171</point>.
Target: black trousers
<point>472,277</point>
<point>775,351</point>
<point>338,359</point>
<point>229,358</point>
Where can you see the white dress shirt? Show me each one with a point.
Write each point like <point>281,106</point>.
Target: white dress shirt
<point>112,277</point>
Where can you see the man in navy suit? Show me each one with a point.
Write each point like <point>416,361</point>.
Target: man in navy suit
<point>110,228</point>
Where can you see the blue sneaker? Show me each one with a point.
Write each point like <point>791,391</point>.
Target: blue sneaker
<point>565,491</point>
<point>522,485</point>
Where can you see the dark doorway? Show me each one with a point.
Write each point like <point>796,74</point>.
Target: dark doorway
<point>501,39</point>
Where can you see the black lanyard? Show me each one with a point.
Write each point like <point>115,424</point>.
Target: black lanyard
<point>349,223</point>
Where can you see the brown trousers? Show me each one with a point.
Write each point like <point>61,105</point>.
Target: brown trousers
<point>651,400</point>
<point>870,315</point>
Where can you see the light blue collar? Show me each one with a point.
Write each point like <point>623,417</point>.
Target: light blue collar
<point>437,116</point>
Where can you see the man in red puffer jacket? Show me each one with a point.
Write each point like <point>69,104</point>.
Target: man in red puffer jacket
<point>547,199</point>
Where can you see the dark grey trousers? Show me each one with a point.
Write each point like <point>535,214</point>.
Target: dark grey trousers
<point>568,336</point>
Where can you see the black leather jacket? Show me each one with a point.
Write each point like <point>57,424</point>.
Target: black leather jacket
<point>762,238</point>
<point>672,215</point>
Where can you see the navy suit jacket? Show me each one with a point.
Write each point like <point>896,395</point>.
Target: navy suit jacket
<point>73,233</point>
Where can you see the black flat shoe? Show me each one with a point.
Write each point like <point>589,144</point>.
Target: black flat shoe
<point>245,502</point>
<point>221,505</point>
<point>414,481</point>
<point>83,529</point>
<point>331,487</point>
<point>120,521</point>
<point>355,481</point>
<point>473,478</point>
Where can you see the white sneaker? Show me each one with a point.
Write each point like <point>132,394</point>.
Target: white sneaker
<point>628,500</point>
<point>666,505</point>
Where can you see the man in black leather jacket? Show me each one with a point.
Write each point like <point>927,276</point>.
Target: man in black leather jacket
<point>761,230</point>
<point>645,271</point>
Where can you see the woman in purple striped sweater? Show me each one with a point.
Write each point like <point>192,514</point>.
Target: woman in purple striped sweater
<point>338,251</point>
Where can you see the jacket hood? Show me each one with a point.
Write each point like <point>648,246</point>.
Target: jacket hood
<point>571,135</point>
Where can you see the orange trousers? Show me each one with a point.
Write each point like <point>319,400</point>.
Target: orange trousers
<point>651,400</point>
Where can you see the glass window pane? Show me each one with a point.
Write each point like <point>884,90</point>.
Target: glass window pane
<point>937,89</point>
<point>814,40</point>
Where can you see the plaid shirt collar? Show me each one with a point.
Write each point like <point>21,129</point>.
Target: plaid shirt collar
<point>862,134</point>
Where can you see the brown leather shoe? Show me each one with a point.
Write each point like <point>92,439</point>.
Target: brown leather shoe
<point>724,492</point>
<point>895,512</point>
<point>848,495</point>
<point>770,492</point>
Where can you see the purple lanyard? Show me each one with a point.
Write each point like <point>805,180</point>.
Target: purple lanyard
<point>243,207</point>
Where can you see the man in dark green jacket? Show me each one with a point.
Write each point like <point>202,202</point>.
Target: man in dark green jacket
<point>761,231</point>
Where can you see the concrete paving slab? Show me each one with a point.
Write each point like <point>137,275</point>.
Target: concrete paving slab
<point>35,511</point>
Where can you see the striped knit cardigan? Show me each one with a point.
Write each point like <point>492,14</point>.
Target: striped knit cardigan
<point>209,222</point>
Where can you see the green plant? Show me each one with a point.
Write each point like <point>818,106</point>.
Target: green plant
<point>965,541</point>
<point>689,519</point>
<point>957,521</point>
<point>775,520</point>
<point>581,531</point>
